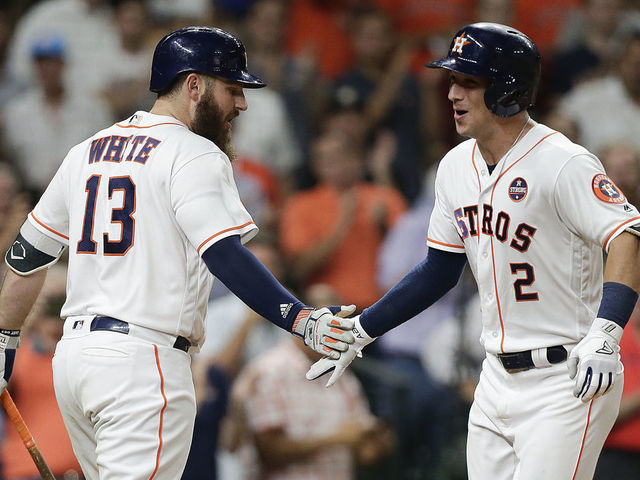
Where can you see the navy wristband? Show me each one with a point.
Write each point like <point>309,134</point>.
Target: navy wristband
<point>618,301</point>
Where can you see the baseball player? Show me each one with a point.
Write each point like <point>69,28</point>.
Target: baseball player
<point>531,213</point>
<point>149,210</point>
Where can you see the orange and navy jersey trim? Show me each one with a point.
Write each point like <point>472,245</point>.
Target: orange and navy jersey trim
<point>48,228</point>
<point>610,237</point>
<point>460,247</point>
<point>148,126</point>
<point>224,231</point>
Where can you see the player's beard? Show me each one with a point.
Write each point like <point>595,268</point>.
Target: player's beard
<point>209,122</point>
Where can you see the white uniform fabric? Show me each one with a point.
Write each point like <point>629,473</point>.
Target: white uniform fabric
<point>185,200</point>
<point>137,204</point>
<point>534,231</point>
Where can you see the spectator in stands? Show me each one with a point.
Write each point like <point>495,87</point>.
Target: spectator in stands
<point>589,43</point>
<point>422,436</point>
<point>9,85</point>
<point>622,164</point>
<point>236,336</point>
<point>356,214</point>
<point>620,457</point>
<point>318,29</point>
<point>301,442</point>
<point>31,387</point>
<point>607,110</point>
<point>294,76</point>
<point>381,76</point>
<point>41,125</point>
<point>264,135</point>
<point>14,207</point>
<point>127,84</point>
<point>87,29</point>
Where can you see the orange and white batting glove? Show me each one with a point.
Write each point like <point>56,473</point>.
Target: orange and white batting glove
<point>325,330</point>
<point>325,365</point>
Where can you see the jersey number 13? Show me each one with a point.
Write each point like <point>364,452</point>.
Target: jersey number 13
<point>122,215</point>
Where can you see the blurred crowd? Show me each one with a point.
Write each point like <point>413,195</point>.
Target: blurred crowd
<point>343,140</point>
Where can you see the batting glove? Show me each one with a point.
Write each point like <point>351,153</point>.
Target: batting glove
<point>325,330</point>
<point>9,341</point>
<point>595,361</point>
<point>325,365</point>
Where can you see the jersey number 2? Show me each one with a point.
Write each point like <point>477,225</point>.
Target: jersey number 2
<point>122,215</point>
<point>527,281</point>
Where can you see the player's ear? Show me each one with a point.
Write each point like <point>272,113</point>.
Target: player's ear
<point>194,85</point>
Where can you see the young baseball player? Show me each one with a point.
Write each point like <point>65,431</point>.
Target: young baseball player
<point>531,213</point>
<point>149,210</point>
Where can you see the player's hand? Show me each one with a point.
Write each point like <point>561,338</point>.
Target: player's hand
<point>9,341</point>
<point>595,361</point>
<point>325,330</point>
<point>325,365</point>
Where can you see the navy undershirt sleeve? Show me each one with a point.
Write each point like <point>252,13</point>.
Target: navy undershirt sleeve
<point>243,274</point>
<point>438,273</point>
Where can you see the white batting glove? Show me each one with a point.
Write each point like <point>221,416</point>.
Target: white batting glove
<point>9,341</point>
<point>325,365</point>
<point>595,361</point>
<point>323,331</point>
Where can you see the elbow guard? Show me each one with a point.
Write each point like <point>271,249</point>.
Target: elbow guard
<point>32,250</point>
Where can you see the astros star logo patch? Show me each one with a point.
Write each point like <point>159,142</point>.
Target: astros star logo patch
<point>458,43</point>
<point>606,190</point>
<point>518,189</point>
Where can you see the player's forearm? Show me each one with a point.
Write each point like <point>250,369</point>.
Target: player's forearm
<point>17,297</point>
<point>418,290</point>
<point>251,282</point>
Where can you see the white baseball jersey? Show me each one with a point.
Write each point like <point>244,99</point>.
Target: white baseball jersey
<point>137,204</point>
<point>533,231</point>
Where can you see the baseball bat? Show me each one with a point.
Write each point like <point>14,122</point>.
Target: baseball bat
<point>25,435</point>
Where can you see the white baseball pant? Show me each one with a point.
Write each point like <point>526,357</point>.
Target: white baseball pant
<point>529,426</point>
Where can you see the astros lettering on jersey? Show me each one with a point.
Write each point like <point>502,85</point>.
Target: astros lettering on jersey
<point>549,200</point>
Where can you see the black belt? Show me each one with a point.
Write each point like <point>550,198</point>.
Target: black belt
<point>114,325</point>
<point>520,361</point>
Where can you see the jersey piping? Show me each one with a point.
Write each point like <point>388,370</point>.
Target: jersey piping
<point>584,438</point>
<point>48,228</point>
<point>164,406</point>
<point>618,228</point>
<point>148,126</point>
<point>223,231</point>
<point>493,258</point>
<point>445,244</point>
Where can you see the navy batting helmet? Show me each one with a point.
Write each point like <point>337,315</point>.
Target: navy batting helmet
<point>204,50</point>
<point>502,54</point>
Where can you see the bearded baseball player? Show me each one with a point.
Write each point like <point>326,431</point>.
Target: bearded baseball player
<point>150,213</point>
<point>531,213</point>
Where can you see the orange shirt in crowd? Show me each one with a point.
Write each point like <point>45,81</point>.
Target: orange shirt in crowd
<point>626,436</point>
<point>31,387</point>
<point>310,216</point>
<point>543,20</point>
<point>427,16</point>
<point>317,31</point>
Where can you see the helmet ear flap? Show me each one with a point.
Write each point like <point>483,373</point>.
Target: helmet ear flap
<point>507,103</point>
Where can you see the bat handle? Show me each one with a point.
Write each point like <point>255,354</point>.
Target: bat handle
<point>25,435</point>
